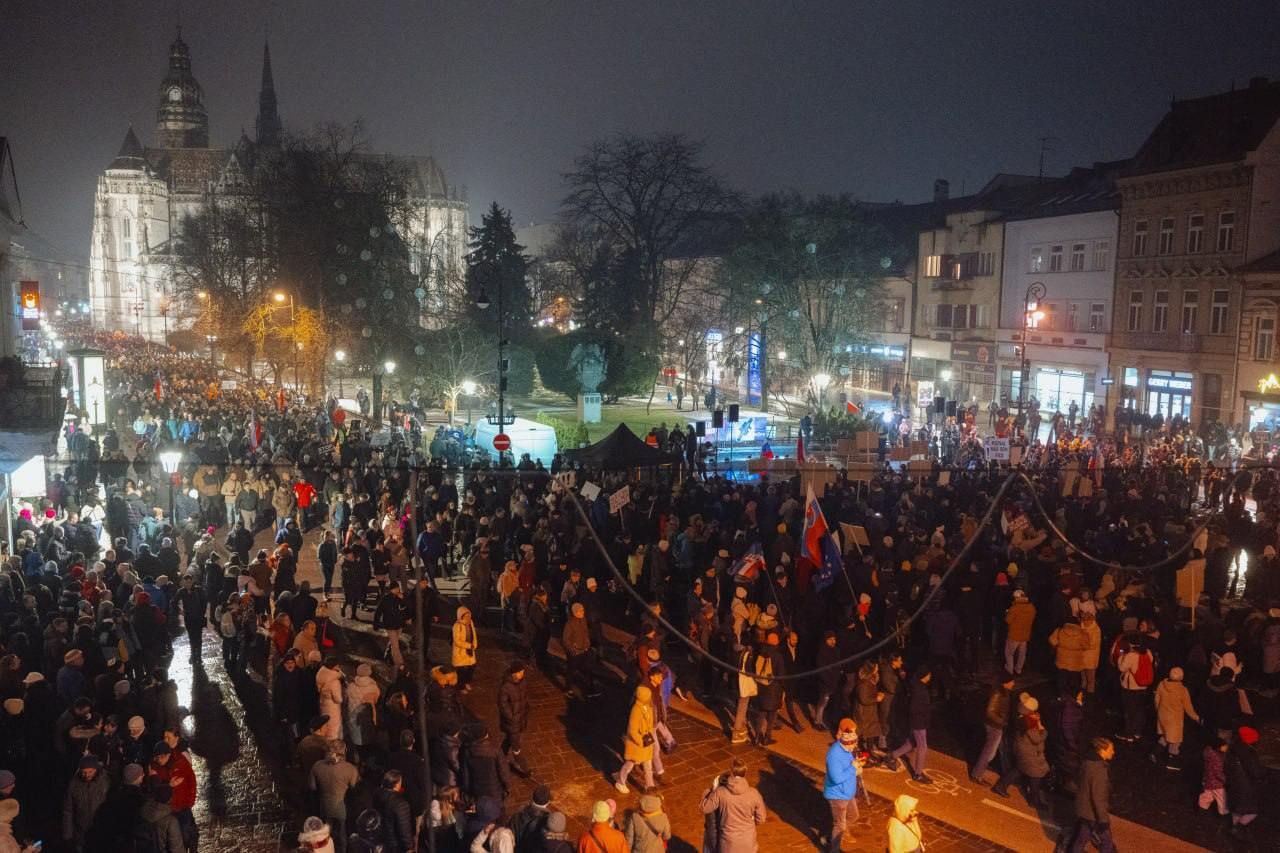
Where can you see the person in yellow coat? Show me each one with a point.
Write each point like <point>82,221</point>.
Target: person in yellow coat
<point>638,745</point>
<point>904,826</point>
<point>465,640</point>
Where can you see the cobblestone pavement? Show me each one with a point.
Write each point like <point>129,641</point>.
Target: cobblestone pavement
<point>239,808</point>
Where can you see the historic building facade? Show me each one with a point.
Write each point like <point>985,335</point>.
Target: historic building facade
<point>1201,199</point>
<point>146,192</point>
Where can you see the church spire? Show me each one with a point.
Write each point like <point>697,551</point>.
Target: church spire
<point>268,127</point>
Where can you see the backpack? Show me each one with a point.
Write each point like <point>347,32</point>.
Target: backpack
<point>227,624</point>
<point>1146,672</point>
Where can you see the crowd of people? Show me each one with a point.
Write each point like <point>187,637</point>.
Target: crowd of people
<point>104,575</point>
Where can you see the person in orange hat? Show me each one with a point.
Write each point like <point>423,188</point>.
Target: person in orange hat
<point>840,788</point>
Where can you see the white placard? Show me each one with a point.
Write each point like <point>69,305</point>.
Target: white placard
<point>997,448</point>
<point>590,491</point>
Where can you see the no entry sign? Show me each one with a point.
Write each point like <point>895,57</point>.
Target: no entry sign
<point>502,442</point>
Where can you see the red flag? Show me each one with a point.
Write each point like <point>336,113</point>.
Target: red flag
<point>851,408</point>
<point>280,400</point>
<point>800,448</point>
<point>158,389</point>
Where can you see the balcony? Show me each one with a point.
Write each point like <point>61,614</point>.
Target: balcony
<point>31,397</point>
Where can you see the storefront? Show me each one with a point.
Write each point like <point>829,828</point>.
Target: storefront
<point>974,371</point>
<point>1169,393</point>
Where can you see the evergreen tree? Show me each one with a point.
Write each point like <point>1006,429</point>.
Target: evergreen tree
<point>496,260</point>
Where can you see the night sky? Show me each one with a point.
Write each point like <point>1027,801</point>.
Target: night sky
<point>863,96</point>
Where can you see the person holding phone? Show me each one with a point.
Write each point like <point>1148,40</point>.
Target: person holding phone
<point>840,788</point>
<point>904,826</point>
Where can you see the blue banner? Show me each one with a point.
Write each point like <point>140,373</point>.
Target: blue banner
<point>754,357</point>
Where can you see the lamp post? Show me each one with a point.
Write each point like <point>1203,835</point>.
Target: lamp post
<point>281,298</point>
<point>340,356</point>
<point>469,389</point>
<point>482,302</point>
<point>170,460</point>
<point>820,382</point>
<point>1032,315</point>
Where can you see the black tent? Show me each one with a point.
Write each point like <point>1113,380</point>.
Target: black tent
<point>621,448</point>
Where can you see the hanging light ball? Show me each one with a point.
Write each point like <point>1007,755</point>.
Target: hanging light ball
<point>421,293</point>
<point>365,255</point>
<point>361,303</point>
<point>388,294</point>
<point>420,350</point>
<point>342,278</point>
<point>374,230</point>
<point>366,332</point>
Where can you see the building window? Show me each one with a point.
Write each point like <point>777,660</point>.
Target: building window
<point>897,314</point>
<point>1131,377</point>
<point>1071,317</point>
<point>1077,257</point>
<point>1050,321</point>
<point>1166,237</point>
<point>1195,233</point>
<point>943,320</point>
<point>1160,316</point>
<point>1139,238</point>
<point>1190,310</point>
<point>987,263</point>
<point>1055,258</point>
<point>1097,312</point>
<point>1135,311</point>
<point>932,266</point>
<point>1226,230</point>
<point>1264,338</point>
<point>1037,259</point>
<point>1102,254</point>
<point>126,237</point>
<point>1218,312</point>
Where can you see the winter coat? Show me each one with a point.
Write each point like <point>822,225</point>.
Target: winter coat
<point>446,767</point>
<point>1093,794</point>
<point>1244,774</point>
<point>1173,702</point>
<point>841,781</point>
<point>329,686</point>
<point>768,689</point>
<point>8,814</point>
<point>890,683</point>
<point>918,707</point>
<point>81,805</point>
<point>1019,618</point>
<point>397,823</point>
<point>1072,643</point>
<point>866,710</point>
<point>999,707</point>
<point>576,637</point>
<point>738,808</point>
<point>640,728</point>
<point>362,710</point>
<point>158,829</point>
<point>513,706</point>
<point>465,640</point>
<point>903,829</point>
<point>486,771</point>
<point>1028,752</point>
<point>331,780</point>
<point>647,833</point>
<point>606,840</point>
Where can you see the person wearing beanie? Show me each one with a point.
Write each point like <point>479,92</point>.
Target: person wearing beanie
<point>555,838</point>
<point>174,769</point>
<point>1093,797</point>
<point>528,824</point>
<point>332,779</point>
<point>601,836</point>
<point>647,829</point>
<point>315,836</point>
<point>840,787</point>
<point>70,681</point>
<point>1173,704</point>
<point>1029,761</point>
<point>86,794</point>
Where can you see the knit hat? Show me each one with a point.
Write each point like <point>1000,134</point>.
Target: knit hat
<point>600,812</point>
<point>313,829</point>
<point>541,795</point>
<point>133,774</point>
<point>847,731</point>
<point>136,722</point>
<point>89,762</point>
<point>556,822</point>
<point>161,748</point>
<point>1017,593</point>
<point>32,678</point>
<point>1248,735</point>
<point>121,688</point>
<point>73,656</point>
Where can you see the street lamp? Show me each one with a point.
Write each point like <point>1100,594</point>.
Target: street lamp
<point>482,302</point>
<point>820,383</point>
<point>469,389</point>
<point>1032,315</point>
<point>340,356</point>
<point>281,298</point>
<point>389,366</point>
<point>170,460</point>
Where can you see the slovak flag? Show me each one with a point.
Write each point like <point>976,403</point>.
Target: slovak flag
<point>766,452</point>
<point>818,547</point>
<point>851,408</point>
<point>752,563</point>
<point>800,448</point>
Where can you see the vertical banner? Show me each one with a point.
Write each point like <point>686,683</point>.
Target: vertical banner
<point>29,307</point>
<point>755,356</point>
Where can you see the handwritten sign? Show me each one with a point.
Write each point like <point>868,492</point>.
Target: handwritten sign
<point>997,449</point>
<point>590,491</point>
<point>619,499</point>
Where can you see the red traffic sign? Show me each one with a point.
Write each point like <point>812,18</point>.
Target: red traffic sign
<point>502,442</point>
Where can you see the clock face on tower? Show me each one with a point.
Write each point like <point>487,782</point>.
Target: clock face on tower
<point>175,94</point>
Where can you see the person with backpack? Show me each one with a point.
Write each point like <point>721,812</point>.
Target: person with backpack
<point>1137,672</point>
<point>648,830</point>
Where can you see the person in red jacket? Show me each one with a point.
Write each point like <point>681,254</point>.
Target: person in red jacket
<point>169,765</point>
<point>304,494</point>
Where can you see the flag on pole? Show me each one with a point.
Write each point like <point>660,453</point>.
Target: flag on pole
<point>851,408</point>
<point>158,389</point>
<point>818,547</point>
<point>766,452</point>
<point>800,448</point>
<point>748,568</point>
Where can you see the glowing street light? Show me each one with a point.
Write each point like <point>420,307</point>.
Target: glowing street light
<point>468,387</point>
<point>169,461</point>
<point>389,366</point>
<point>340,355</point>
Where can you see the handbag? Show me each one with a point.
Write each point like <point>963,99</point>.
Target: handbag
<point>646,739</point>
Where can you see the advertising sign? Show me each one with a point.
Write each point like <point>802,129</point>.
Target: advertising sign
<point>755,354</point>
<point>29,305</point>
<point>924,393</point>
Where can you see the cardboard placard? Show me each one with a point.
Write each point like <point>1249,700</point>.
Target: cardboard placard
<point>619,499</point>
<point>1015,455</point>
<point>944,478</point>
<point>867,440</point>
<point>919,448</point>
<point>900,454</point>
<point>590,491</point>
<point>997,449</point>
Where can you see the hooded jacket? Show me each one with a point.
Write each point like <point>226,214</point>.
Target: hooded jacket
<point>738,808</point>
<point>158,829</point>
<point>465,640</point>
<point>1093,796</point>
<point>903,829</point>
<point>329,686</point>
<point>1173,703</point>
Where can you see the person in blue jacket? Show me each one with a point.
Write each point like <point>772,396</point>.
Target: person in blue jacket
<point>840,788</point>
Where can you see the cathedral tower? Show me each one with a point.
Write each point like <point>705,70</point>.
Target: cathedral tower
<point>181,120</point>
<point>268,127</point>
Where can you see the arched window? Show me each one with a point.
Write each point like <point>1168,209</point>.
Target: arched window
<point>126,237</point>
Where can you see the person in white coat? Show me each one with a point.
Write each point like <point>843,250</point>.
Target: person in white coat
<point>329,679</point>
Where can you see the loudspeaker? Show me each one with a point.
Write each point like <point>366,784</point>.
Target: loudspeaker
<point>951,408</point>
<point>717,419</point>
<point>939,405</point>
<point>733,413</point>
<point>700,429</point>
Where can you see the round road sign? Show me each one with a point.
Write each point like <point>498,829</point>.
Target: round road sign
<point>502,442</point>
